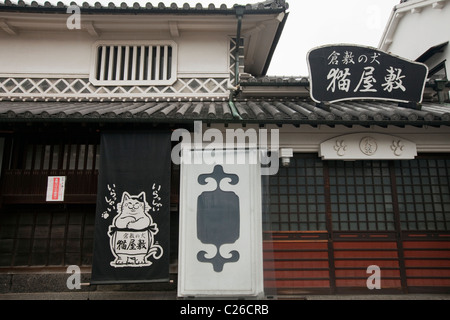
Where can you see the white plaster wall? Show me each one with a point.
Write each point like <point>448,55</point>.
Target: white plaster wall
<point>307,139</point>
<point>69,53</point>
<point>203,53</point>
<point>421,27</point>
<point>45,53</point>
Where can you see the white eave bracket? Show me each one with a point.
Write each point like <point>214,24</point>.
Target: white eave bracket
<point>174,31</point>
<point>89,27</point>
<point>7,28</point>
<point>439,4</point>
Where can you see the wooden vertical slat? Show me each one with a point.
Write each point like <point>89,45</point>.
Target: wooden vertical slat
<point>126,63</point>
<point>395,205</point>
<point>329,222</point>
<point>102,64</point>
<point>81,157</point>
<point>134,64</point>
<point>110,62</point>
<point>119,62</point>
<point>141,65</point>
<point>33,159</point>
<point>166,58</point>
<point>150,62</point>
<point>158,62</point>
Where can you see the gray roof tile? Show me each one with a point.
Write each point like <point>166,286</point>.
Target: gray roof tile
<point>251,111</point>
<point>123,7</point>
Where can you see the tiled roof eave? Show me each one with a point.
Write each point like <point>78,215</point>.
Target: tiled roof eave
<point>154,120</point>
<point>261,112</point>
<point>180,122</point>
<point>136,8</point>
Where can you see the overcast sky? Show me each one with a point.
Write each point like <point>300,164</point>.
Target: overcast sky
<point>319,22</point>
<point>311,23</point>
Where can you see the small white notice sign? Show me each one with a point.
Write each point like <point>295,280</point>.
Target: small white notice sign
<point>55,188</point>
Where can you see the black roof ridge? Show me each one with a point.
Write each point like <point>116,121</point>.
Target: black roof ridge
<point>276,80</point>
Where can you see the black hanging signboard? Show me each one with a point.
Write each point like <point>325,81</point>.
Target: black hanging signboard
<point>346,72</point>
<point>132,223</point>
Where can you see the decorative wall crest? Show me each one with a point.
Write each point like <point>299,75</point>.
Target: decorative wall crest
<point>367,146</point>
<point>340,147</point>
<point>397,146</point>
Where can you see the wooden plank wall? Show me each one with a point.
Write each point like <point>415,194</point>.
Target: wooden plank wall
<point>353,258</point>
<point>427,265</point>
<point>296,262</point>
<point>293,265</point>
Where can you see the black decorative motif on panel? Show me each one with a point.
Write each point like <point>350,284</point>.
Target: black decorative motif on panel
<point>218,218</point>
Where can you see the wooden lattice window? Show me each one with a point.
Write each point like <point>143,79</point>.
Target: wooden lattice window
<point>29,161</point>
<point>60,157</point>
<point>361,196</point>
<point>339,196</point>
<point>297,196</point>
<point>423,189</point>
<point>135,63</point>
<point>54,155</point>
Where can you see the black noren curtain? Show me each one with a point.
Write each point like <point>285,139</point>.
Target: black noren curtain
<point>132,225</point>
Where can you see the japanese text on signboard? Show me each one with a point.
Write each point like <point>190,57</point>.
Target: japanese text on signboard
<point>343,72</point>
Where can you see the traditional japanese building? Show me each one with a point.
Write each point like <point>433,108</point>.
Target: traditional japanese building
<point>361,185</point>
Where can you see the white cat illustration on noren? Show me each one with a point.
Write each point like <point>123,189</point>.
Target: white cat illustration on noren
<point>132,233</point>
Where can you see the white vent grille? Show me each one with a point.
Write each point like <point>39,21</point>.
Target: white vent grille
<point>134,64</point>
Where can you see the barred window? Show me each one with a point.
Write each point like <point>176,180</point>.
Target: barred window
<point>138,63</point>
<point>57,156</point>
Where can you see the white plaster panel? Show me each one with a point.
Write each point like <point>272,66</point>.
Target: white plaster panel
<point>367,146</point>
<point>237,279</point>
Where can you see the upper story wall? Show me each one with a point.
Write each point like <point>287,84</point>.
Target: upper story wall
<point>60,63</point>
<point>71,53</point>
<point>132,53</point>
<point>416,26</point>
